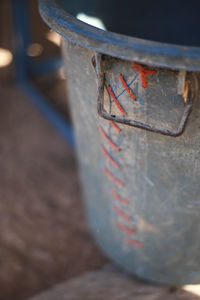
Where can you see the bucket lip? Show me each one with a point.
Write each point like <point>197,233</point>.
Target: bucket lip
<point>118,45</point>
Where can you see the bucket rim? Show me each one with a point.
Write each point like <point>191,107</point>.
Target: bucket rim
<point>117,45</point>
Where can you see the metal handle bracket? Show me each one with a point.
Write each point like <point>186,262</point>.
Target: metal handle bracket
<point>131,122</point>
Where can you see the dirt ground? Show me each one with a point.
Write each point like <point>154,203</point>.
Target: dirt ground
<point>44,237</point>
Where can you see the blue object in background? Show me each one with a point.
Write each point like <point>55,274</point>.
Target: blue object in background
<point>25,68</point>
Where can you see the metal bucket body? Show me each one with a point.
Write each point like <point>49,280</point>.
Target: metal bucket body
<point>138,140</point>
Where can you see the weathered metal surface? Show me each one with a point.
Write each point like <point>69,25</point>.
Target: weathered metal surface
<point>155,108</point>
<point>141,188</point>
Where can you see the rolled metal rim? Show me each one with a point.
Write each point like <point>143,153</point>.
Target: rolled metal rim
<point>118,45</point>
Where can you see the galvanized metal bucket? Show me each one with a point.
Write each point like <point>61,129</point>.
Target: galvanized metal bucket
<point>135,106</point>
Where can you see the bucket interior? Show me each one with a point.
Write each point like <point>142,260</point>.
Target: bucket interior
<point>168,21</point>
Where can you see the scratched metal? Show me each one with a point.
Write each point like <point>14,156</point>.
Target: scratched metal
<point>160,174</point>
<point>158,98</point>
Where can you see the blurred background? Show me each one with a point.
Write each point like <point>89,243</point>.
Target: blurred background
<point>44,238</point>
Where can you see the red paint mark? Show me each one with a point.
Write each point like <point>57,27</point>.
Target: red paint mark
<point>125,228</point>
<point>116,101</point>
<point>115,126</point>
<point>127,88</point>
<point>109,140</point>
<point>113,178</point>
<point>144,72</point>
<point>133,242</point>
<point>119,198</point>
<point>122,214</point>
<point>116,164</point>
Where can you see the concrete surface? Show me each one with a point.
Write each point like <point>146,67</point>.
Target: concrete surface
<point>109,284</point>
